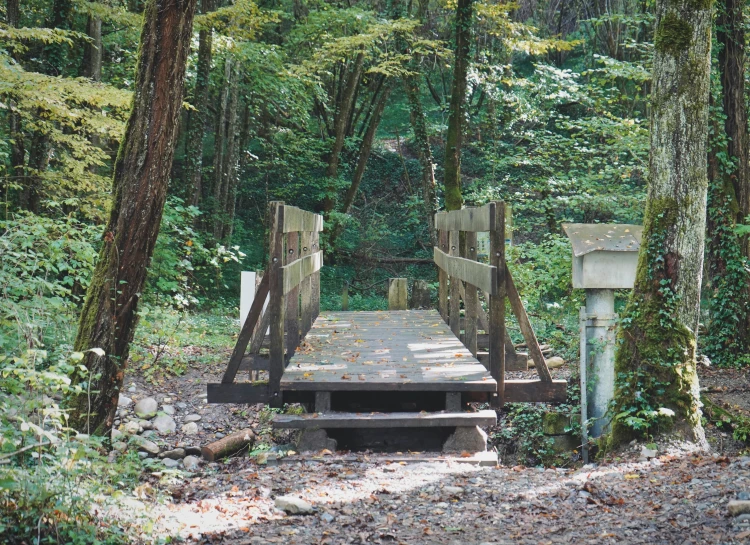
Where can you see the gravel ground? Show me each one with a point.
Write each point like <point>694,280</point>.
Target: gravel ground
<point>679,498</point>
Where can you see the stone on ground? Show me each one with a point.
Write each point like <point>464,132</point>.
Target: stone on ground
<point>191,428</point>
<point>168,409</point>
<point>146,407</point>
<point>192,418</point>
<point>738,507</point>
<point>145,445</point>
<point>465,438</point>
<point>168,462</point>
<point>191,462</point>
<point>124,402</point>
<point>174,454</point>
<point>165,424</point>
<point>293,505</point>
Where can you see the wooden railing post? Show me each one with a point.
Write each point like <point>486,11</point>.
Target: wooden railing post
<point>291,316</point>
<point>443,278</point>
<point>455,287</point>
<point>471,296</point>
<point>276,302</point>
<point>315,280</point>
<point>306,287</point>
<point>497,303</point>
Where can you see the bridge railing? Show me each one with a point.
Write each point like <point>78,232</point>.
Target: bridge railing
<point>456,258</point>
<point>291,283</point>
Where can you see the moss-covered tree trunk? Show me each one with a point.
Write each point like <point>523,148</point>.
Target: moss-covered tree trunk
<point>141,173</point>
<point>463,21</point>
<point>729,198</point>
<point>655,360</point>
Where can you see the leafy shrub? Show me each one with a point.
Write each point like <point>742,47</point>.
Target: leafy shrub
<point>55,484</point>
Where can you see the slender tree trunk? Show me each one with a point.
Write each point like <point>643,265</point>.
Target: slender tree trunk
<point>92,52</point>
<point>198,118</point>
<point>729,325</point>
<point>365,148</point>
<point>231,156</point>
<point>464,15</point>
<point>344,104</point>
<point>232,200</point>
<point>38,162</point>
<point>424,153</point>
<point>141,174</point>
<point>219,148</point>
<point>655,360</point>
<point>17,150</point>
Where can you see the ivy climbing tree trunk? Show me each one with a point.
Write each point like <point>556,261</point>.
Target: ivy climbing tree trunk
<point>141,173</point>
<point>464,15</point>
<point>657,384</point>
<point>729,198</point>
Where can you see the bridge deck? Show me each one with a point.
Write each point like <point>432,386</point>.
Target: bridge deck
<point>411,350</point>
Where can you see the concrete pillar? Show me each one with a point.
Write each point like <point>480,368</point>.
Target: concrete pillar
<point>597,357</point>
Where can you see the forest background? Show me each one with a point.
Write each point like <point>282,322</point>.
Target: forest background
<point>341,108</point>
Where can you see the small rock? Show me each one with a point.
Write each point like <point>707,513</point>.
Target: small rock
<point>131,428</point>
<point>165,424</point>
<point>453,490</point>
<point>124,402</point>
<point>146,407</point>
<point>193,451</point>
<point>738,507</point>
<point>170,463</point>
<point>168,409</point>
<point>145,445</point>
<point>743,496</point>
<point>327,517</point>
<point>146,424</point>
<point>166,400</point>
<point>174,454</point>
<point>181,405</point>
<point>116,434</point>
<point>191,428</point>
<point>120,446</point>
<point>647,453</point>
<point>148,434</point>
<point>132,388</point>
<point>293,505</point>
<point>191,462</point>
<point>143,455</point>
<point>552,363</point>
<point>193,418</point>
<point>219,435</point>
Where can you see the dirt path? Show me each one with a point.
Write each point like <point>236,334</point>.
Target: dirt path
<point>675,499</point>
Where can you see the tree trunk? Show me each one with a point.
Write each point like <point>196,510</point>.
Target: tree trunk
<point>729,325</point>
<point>424,153</point>
<point>92,52</point>
<point>231,156</point>
<point>17,150</point>
<point>141,173</point>
<point>38,163</point>
<point>453,198</point>
<point>222,119</point>
<point>344,105</point>
<point>198,118</point>
<point>655,360</point>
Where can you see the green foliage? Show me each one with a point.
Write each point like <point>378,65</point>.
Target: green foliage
<point>53,478</point>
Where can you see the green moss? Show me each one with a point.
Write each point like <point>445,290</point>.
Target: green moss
<point>673,35</point>
<point>655,358</point>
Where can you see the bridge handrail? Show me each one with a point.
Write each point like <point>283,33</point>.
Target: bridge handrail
<point>474,220</point>
<point>477,274</point>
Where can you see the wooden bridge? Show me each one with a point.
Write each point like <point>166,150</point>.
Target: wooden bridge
<point>372,377</point>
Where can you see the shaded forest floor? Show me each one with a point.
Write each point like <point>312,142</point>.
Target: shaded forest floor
<point>679,497</point>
